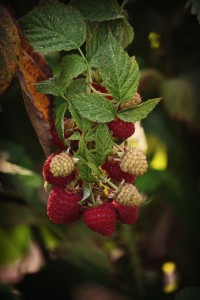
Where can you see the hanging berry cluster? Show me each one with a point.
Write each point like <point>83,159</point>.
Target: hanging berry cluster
<point>91,172</point>
<point>110,196</point>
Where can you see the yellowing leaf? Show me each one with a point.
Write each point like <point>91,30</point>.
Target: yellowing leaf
<point>33,69</point>
<point>9,48</point>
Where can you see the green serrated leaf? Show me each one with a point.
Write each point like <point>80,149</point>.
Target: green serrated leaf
<point>119,71</point>
<point>51,86</point>
<point>75,136</point>
<point>90,157</point>
<point>139,112</point>
<point>128,34</point>
<point>94,107</point>
<point>103,10</point>
<point>54,26</point>
<point>90,135</point>
<point>104,143</point>
<point>96,44</point>
<point>99,40</point>
<point>59,119</point>
<point>82,123</point>
<point>80,153</point>
<point>84,172</point>
<point>94,168</point>
<point>77,86</point>
<point>71,66</point>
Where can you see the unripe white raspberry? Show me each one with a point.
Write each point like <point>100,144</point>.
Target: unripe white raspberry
<point>136,100</point>
<point>134,162</point>
<point>62,164</point>
<point>128,195</point>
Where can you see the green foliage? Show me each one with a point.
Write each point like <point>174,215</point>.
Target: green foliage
<point>71,66</point>
<point>99,10</point>
<point>51,86</point>
<point>120,72</point>
<point>59,119</point>
<point>82,123</point>
<point>53,26</point>
<point>94,107</point>
<point>104,143</point>
<point>15,242</point>
<point>139,112</point>
<point>77,86</point>
<point>84,171</point>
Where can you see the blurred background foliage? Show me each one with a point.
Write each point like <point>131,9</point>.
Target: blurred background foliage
<point>157,257</point>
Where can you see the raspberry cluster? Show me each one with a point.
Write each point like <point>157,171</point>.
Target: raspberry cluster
<point>112,197</point>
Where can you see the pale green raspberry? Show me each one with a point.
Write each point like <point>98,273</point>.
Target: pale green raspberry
<point>134,162</point>
<point>136,100</point>
<point>62,165</point>
<point>128,195</point>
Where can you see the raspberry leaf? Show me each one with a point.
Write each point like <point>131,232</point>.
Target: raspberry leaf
<point>99,40</point>
<point>104,143</point>
<point>84,171</point>
<point>119,71</point>
<point>50,86</point>
<point>103,10</point>
<point>77,86</point>
<point>71,66</point>
<point>54,26</point>
<point>128,34</point>
<point>82,123</point>
<point>75,136</point>
<point>87,104</point>
<point>139,112</point>
<point>59,114</point>
<point>91,135</point>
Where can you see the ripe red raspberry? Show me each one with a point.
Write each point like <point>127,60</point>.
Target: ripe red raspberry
<point>101,89</point>
<point>115,172</point>
<point>63,207</point>
<point>121,129</point>
<point>126,214</point>
<point>101,218</point>
<point>51,178</point>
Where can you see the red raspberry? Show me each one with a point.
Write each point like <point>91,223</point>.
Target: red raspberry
<point>121,129</point>
<point>63,207</point>
<point>115,172</point>
<point>50,178</point>
<point>101,219</point>
<point>101,89</point>
<point>126,214</point>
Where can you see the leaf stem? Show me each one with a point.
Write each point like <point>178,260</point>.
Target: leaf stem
<point>97,92</point>
<point>123,4</point>
<point>119,147</point>
<point>109,182</point>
